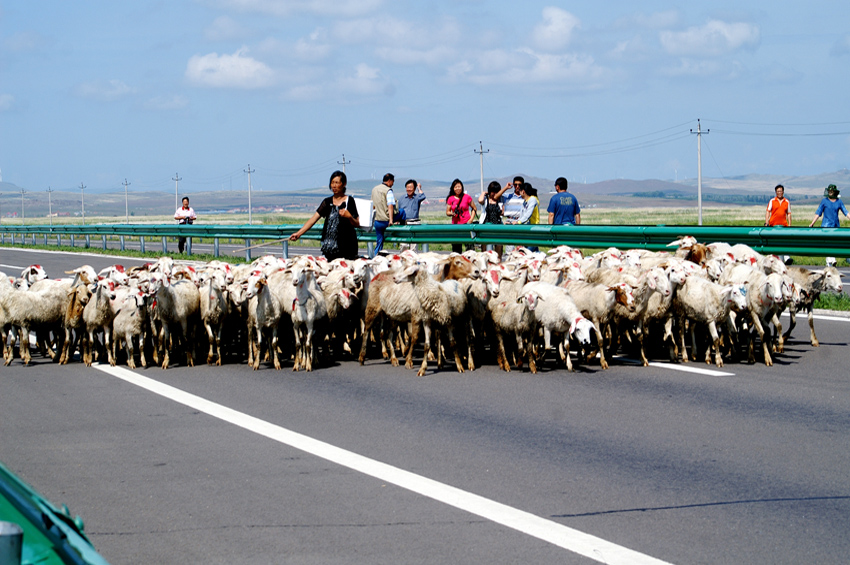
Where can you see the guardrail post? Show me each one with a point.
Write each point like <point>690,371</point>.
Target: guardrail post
<point>286,249</point>
<point>88,241</point>
<point>142,243</point>
<point>215,247</point>
<point>424,248</point>
<point>370,249</point>
<point>248,250</point>
<point>104,242</point>
<point>72,240</point>
<point>45,240</point>
<point>121,239</point>
<point>188,246</point>
<point>33,239</point>
<point>164,246</point>
<point>59,240</point>
<point>11,543</point>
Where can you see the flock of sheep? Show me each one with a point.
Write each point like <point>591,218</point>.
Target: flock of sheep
<point>307,309</point>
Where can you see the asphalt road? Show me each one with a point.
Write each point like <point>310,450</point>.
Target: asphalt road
<point>748,464</point>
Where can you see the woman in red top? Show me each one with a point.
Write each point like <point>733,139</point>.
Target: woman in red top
<point>460,207</point>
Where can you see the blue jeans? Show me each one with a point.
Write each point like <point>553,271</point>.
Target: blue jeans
<point>380,227</point>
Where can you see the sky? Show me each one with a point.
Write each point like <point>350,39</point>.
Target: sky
<point>100,92</point>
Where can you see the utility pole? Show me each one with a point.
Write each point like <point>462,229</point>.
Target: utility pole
<point>126,203</point>
<point>83,201</point>
<point>22,204</point>
<point>343,163</point>
<point>50,205</point>
<point>176,180</point>
<point>249,171</point>
<point>481,153</point>
<point>699,133</point>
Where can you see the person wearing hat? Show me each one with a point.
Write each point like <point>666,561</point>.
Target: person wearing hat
<point>829,208</point>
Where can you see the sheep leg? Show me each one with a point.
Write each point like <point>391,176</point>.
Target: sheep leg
<point>681,335</point>
<point>107,340</point>
<point>718,358</point>
<point>780,341</point>
<point>501,356</point>
<point>564,351</point>
<point>164,337</point>
<point>765,343</point>
<point>422,368</point>
<point>693,332</point>
<point>24,346</point>
<point>189,339</point>
<point>815,342</point>
<point>218,331</point>
<point>470,343</point>
<point>368,321</point>
<point>414,337</point>
<point>128,340</point>
<point>602,362</point>
<point>211,340</point>
<point>792,311</point>
<point>453,345</point>
<point>273,346</point>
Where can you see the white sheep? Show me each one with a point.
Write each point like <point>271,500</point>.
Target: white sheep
<point>129,324</point>
<point>214,305</point>
<point>178,308</point>
<point>559,316</point>
<point>703,302</point>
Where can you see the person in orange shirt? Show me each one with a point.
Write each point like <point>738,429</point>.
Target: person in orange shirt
<point>778,213</point>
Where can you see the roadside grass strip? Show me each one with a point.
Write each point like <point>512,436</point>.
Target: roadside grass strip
<point>559,535</point>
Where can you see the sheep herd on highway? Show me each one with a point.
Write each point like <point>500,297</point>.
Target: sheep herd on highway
<point>306,311</point>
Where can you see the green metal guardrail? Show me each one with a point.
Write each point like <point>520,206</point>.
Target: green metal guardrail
<point>796,241</point>
<point>51,536</point>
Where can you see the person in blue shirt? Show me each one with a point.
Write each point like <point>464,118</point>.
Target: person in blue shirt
<point>563,207</point>
<point>829,208</point>
<point>411,201</point>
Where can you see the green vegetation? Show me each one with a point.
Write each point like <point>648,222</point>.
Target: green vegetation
<point>833,302</point>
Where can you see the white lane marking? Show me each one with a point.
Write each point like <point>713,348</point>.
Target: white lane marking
<point>677,367</point>
<point>817,317</point>
<point>11,266</point>
<point>81,254</point>
<point>572,540</point>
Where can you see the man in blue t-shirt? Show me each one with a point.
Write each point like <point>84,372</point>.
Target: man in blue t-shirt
<point>563,207</point>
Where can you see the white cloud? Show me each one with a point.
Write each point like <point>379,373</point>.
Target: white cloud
<point>841,47</point>
<point>556,30</point>
<point>284,8</point>
<point>104,91</point>
<point>225,28</point>
<point>713,39</point>
<point>228,71</point>
<point>167,103</point>
<point>6,102</point>
<point>366,80</point>
<point>658,20</point>
<point>528,67</point>
<point>409,56</point>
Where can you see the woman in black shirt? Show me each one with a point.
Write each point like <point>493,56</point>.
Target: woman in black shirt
<point>339,238</point>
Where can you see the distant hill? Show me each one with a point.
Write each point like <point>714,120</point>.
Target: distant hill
<point>753,189</point>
